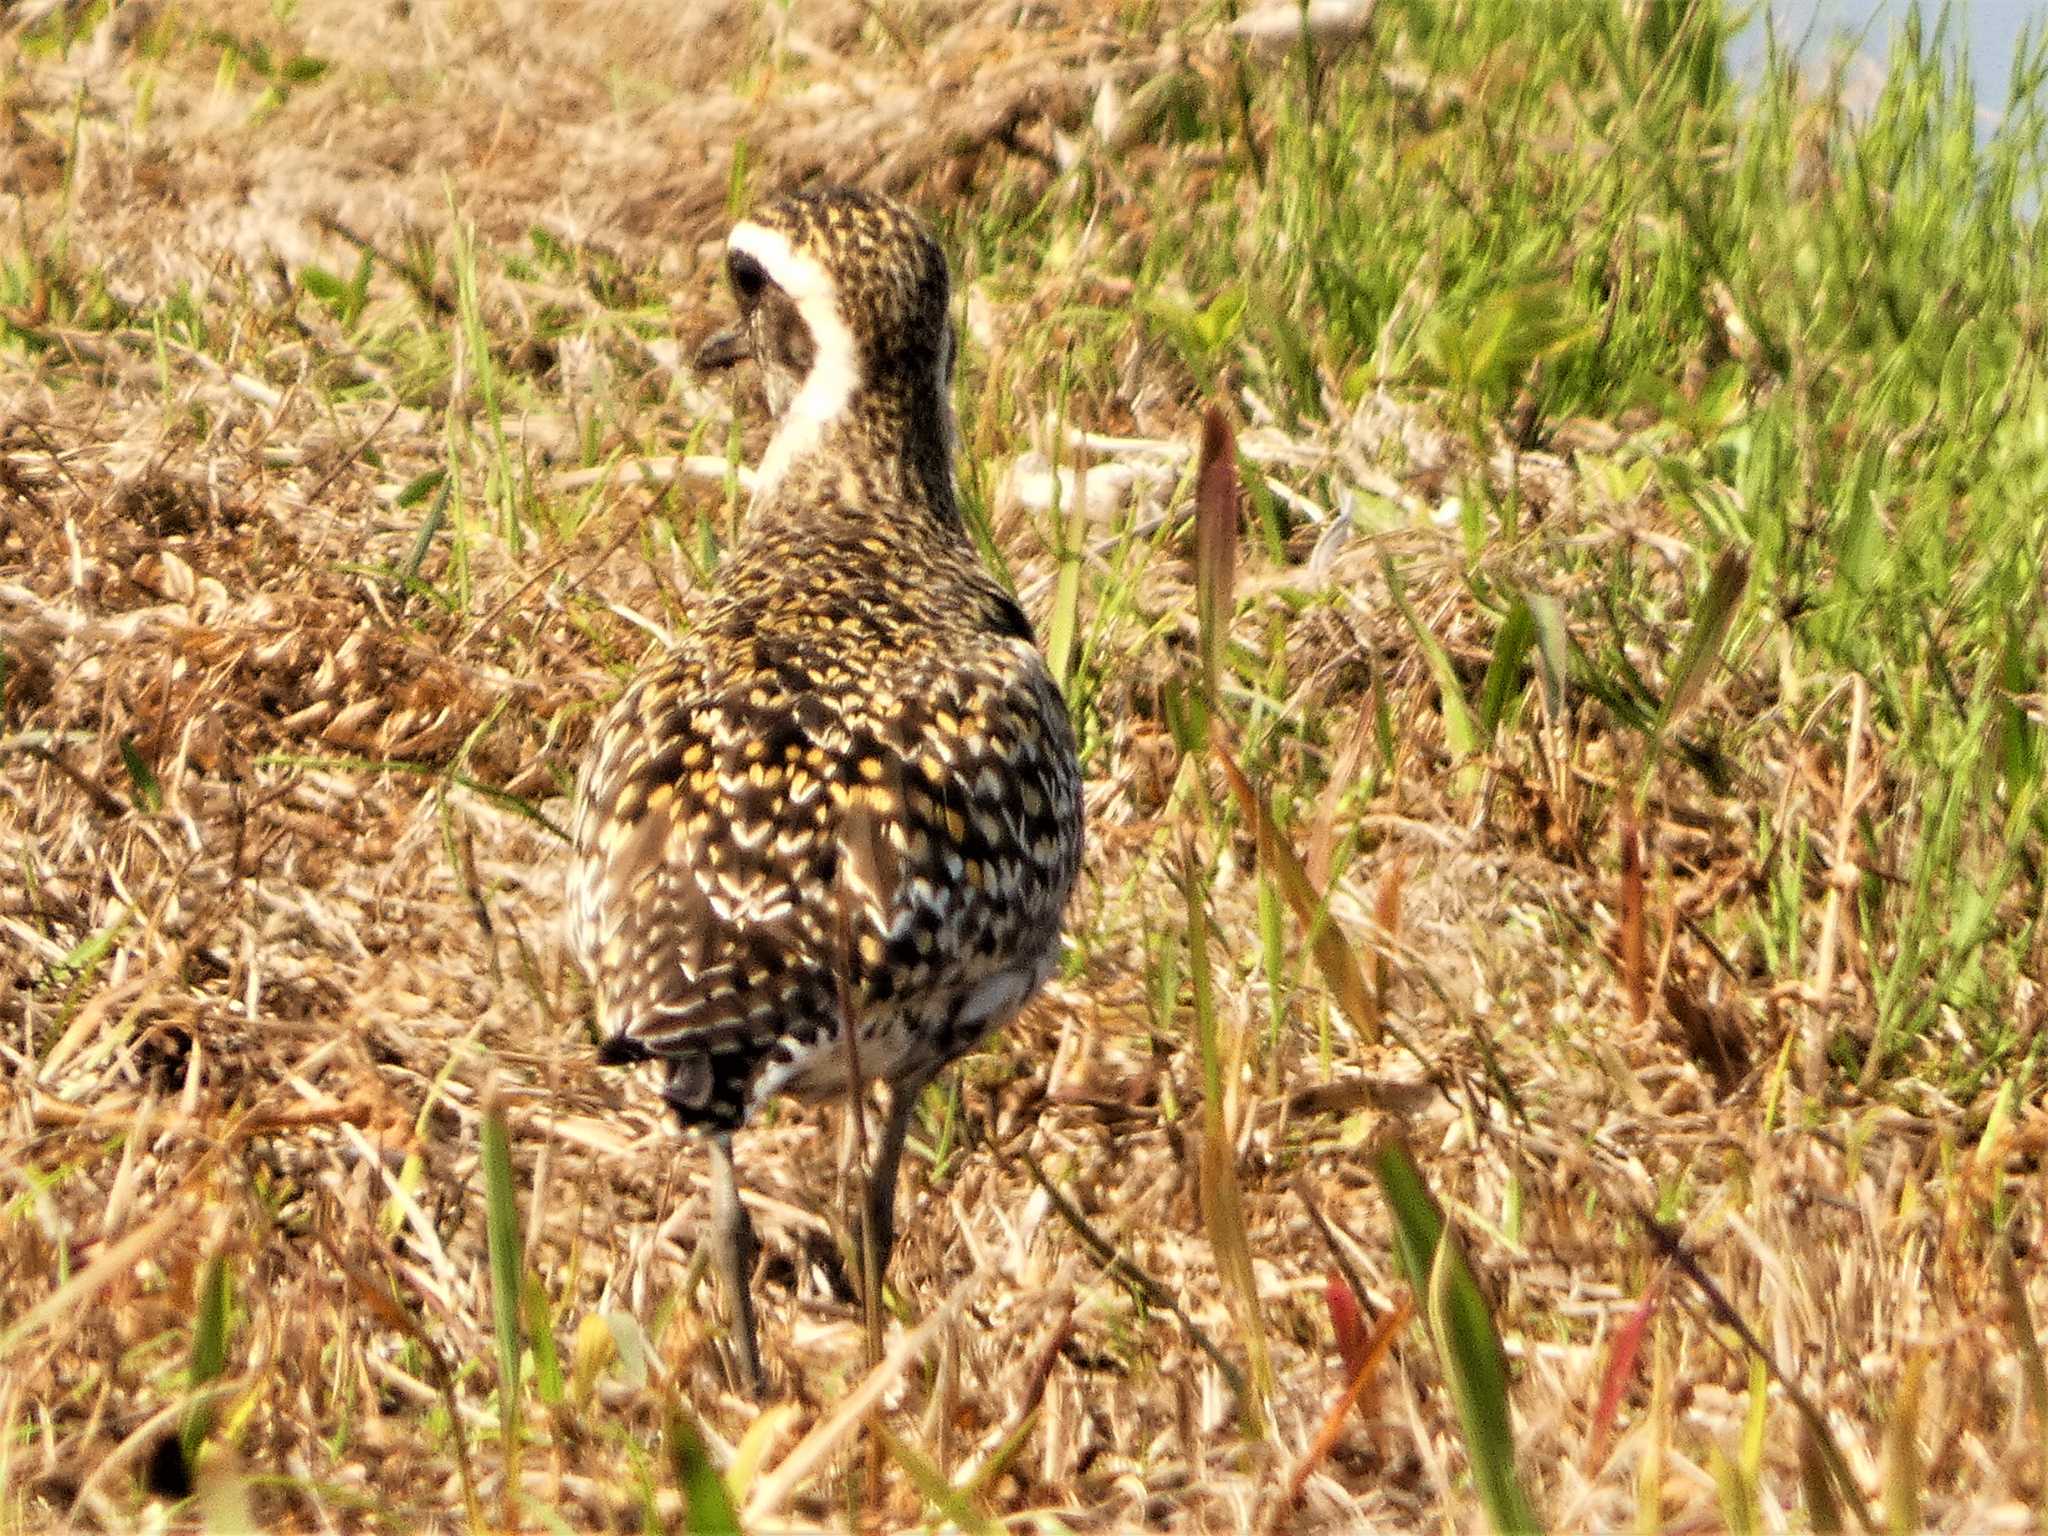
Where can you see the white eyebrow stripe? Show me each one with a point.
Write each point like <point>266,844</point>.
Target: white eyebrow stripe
<point>835,368</point>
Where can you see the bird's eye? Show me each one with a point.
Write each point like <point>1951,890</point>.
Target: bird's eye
<point>747,277</point>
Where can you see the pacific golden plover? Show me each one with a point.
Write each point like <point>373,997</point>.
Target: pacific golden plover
<point>851,791</point>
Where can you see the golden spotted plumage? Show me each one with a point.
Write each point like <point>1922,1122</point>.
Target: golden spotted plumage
<point>851,790</point>
<point>831,773</point>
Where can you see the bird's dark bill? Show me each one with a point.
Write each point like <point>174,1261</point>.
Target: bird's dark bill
<point>723,350</point>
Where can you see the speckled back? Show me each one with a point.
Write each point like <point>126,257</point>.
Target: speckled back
<point>852,788</point>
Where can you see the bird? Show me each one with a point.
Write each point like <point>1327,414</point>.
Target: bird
<point>848,797</point>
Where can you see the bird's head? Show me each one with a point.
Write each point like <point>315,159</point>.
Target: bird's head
<point>843,305</point>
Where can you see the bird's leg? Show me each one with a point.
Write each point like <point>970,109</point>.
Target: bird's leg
<point>732,1250</point>
<point>880,1207</point>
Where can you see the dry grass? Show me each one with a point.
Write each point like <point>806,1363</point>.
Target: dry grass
<point>281,890</point>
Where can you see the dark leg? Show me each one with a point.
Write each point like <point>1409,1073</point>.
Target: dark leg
<point>732,1251</point>
<point>880,1208</point>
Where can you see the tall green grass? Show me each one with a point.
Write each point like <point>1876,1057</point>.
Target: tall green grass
<point>1809,320</point>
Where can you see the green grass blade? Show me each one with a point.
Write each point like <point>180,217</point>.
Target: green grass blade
<point>1461,1329</point>
<point>955,1507</point>
<point>1208,1045</point>
<point>430,525</point>
<point>501,480</point>
<point>1504,671</point>
<point>1553,648</point>
<point>1740,1507</point>
<point>1222,1199</point>
<point>1756,1423</point>
<point>1070,547</point>
<point>1461,731</point>
<point>1335,959</point>
<point>210,1327</point>
<point>1712,617</point>
<point>209,1353</point>
<point>501,1227</point>
<point>708,1508</point>
<point>540,1333</point>
<point>148,794</point>
<point>1823,1509</point>
<point>1904,1472</point>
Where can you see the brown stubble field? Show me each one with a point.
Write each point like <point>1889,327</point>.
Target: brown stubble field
<point>287,734</point>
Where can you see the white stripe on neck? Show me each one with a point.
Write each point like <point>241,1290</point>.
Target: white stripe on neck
<point>835,364</point>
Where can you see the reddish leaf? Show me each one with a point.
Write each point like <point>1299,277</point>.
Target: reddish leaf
<point>1621,1365</point>
<point>1216,499</point>
<point>1348,1322</point>
<point>1374,1352</point>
